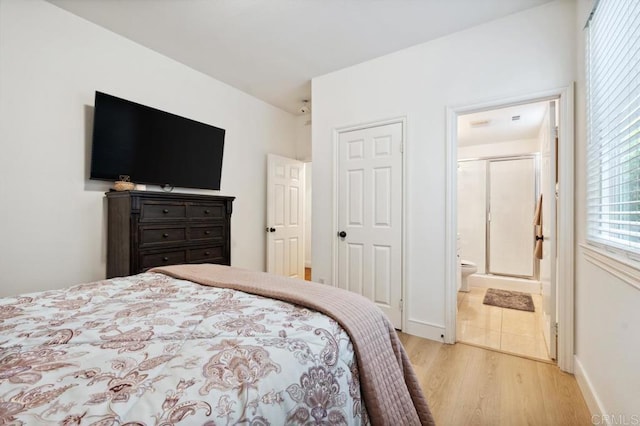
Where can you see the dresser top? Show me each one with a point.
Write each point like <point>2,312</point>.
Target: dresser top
<point>167,196</point>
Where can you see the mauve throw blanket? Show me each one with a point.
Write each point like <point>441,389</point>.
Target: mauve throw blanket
<point>390,390</point>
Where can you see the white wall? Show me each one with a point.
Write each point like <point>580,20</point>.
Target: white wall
<point>503,149</point>
<point>308,213</point>
<point>607,331</point>
<point>472,212</point>
<point>520,54</point>
<point>52,218</point>
<point>303,137</point>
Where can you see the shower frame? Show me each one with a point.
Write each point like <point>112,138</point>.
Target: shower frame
<point>535,156</point>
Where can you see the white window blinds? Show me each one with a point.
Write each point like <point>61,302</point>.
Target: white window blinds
<point>613,102</point>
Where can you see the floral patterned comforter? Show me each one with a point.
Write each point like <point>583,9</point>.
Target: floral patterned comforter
<point>150,349</point>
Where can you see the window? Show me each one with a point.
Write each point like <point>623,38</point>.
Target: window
<point>613,111</point>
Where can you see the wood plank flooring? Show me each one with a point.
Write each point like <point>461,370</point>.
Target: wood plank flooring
<point>467,385</point>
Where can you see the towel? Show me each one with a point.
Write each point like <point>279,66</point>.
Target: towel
<point>538,250</point>
<point>537,217</point>
<point>537,221</point>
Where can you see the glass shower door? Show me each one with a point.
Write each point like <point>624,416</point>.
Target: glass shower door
<point>511,206</point>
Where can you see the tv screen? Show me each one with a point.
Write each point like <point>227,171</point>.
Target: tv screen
<point>153,146</point>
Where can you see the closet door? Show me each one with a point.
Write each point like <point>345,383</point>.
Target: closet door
<point>512,198</point>
<point>369,239</point>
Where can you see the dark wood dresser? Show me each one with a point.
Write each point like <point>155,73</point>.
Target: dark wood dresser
<point>148,229</point>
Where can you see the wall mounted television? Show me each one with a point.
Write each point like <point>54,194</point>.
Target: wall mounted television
<point>153,146</point>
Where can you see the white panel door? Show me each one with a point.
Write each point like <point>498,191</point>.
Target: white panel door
<point>548,262</point>
<point>285,216</point>
<point>512,203</point>
<point>370,216</point>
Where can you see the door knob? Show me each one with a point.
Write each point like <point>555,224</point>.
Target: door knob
<point>342,234</point>
<point>270,229</point>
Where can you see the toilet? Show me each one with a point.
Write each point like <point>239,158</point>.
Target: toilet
<point>467,268</point>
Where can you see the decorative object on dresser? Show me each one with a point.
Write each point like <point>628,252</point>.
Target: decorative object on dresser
<point>148,229</point>
<point>123,184</point>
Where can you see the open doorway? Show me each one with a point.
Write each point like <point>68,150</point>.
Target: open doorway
<point>506,181</point>
<point>289,205</point>
<point>562,325</point>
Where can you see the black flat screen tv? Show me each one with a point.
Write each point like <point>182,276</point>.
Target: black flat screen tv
<point>153,146</point>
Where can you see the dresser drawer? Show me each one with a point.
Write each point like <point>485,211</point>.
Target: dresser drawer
<point>151,260</point>
<point>206,232</point>
<point>212,254</point>
<point>205,211</point>
<point>152,235</point>
<point>150,211</point>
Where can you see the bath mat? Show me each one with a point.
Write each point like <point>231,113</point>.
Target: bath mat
<point>509,299</point>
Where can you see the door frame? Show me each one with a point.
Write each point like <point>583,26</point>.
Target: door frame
<point>335,199</point>
<point>565,238</point>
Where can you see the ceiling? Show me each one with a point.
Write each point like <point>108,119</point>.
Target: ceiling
<point>497,125</point>
<point>272,48</point>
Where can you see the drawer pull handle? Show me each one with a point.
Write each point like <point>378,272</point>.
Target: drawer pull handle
<point>165,258</point>
<point>165,235</point>
<point>165,211</point>
<point>207,253</point>
<point>206,212</point>
<point>207,232</point>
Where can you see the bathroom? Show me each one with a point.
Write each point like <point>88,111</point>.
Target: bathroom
<point>506,167</point>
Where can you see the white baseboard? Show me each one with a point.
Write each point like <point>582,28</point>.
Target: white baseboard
<point>589,393</point>
<point>504,283</point>
<point>423,329</point>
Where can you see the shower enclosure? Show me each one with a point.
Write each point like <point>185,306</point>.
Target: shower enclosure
<point>496,203</point>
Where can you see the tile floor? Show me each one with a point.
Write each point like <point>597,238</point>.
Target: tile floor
<point>508,330</point>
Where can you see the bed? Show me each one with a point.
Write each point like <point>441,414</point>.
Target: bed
<point>202,344</point>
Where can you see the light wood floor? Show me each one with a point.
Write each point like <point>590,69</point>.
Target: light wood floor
<point>467,385</point>
<point>307,274</point>
<point>509,330</point>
